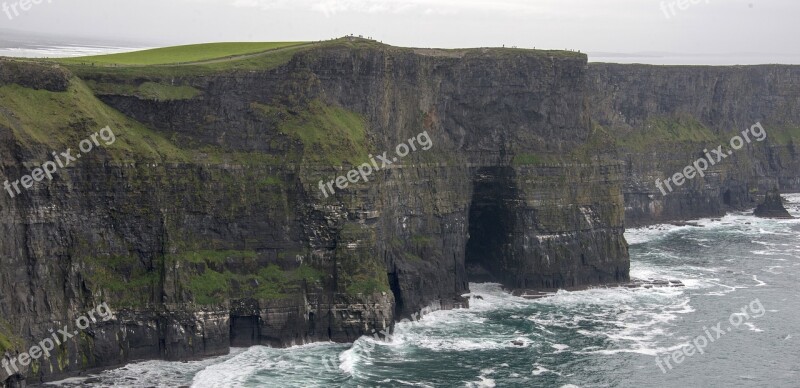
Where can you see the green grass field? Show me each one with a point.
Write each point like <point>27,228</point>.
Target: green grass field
<point>182,54</point>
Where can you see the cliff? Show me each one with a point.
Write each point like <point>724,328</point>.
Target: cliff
<point>664,117</point>
<point>203,225</point>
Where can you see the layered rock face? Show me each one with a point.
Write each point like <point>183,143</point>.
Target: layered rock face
<point>665,117</point>
<point>204,225</point>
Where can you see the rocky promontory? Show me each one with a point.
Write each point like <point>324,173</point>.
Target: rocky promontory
<point>772,207</point>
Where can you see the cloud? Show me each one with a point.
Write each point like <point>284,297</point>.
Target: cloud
<point>425,7</point>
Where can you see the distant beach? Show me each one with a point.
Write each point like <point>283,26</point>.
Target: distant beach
<point>22,44</point>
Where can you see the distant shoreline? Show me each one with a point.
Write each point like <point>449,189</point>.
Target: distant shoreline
<point>63,51</point>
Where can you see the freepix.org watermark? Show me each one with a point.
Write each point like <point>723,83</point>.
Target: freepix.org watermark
<point>701,342</point>
<point>43,348</point>
<point>21,5</point>
<point>668,7</point>
<point>363,171</point>
<point>50,167</point>
<point>717,155</point>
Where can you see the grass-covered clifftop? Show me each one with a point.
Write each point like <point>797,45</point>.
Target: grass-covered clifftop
<point>182,54</point>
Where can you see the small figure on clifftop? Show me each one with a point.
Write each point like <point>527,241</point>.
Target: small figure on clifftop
<point>772,206</point>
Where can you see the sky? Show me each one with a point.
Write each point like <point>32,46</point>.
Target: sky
<point>709,31</point>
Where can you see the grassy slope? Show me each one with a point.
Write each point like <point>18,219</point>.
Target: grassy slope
<point>331,135</point>
<point>43,121</point>
<point>60,120</point>
<point>262,61</point>
<point>181,54</point>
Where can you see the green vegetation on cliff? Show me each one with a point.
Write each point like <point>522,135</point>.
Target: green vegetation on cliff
<point>783,135</point>
<point>212,277</point>
<point>133,66</point>
<point>60,120</point>
<point>7,340</point>
<point>271,282</point>
<point>667,130</point>
<point>182,54</point>
<point>145,90</point>
<point>360,269</point>
<point>161,92</point>
<point>330,135</point>
<point>45,121</point>
<point>526,159</point>
<point>211,256</point>
<point>122,280</point>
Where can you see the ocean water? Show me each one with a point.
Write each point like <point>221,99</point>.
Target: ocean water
<point>664,58</point>
<point>36,45</point>
<point>61,51</point>
<point>594,338</point>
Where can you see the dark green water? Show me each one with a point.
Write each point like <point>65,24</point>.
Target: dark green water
<point>595,338</point>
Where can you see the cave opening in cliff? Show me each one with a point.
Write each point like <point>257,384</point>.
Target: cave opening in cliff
<point>394,285</point>
<point>244,331</point>
<point>491,224</point>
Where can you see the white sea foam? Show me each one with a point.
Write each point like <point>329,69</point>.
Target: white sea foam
<point>651,233</point>
<point>348,360</point>
<point>737,222</point>
<point>752,327</point>
<point>150,373</point>
<point>484,382</point>
<point>634,320</point>
<point>540,370</point>
<point>311,360</point>
<point>560,348</point>
<point>405,383</point>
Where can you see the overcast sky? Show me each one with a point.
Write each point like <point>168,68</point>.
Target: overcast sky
<point>766,30</point>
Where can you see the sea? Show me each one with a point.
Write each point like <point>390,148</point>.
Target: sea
<point>23,44</point>
<point>741,295</point>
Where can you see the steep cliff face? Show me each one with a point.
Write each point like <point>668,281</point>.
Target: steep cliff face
<point>204,224</point>
<point>664,117</point>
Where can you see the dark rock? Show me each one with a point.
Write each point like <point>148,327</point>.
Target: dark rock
<point>34,75</point>
<point>772,207</point>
